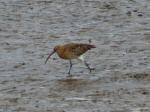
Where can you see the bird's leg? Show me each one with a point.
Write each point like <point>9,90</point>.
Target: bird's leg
<point>87,65</point>
<point>81,58</point>
<point>70,66</point>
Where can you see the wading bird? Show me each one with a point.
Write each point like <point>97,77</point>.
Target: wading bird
<point>72,51</point>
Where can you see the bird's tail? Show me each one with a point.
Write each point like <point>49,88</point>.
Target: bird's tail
<point>88,46</point>
<point>92,46</point>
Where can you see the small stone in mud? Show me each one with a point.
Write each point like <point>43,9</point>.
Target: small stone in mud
<point>53,36</point>
<point>7,43</point>
<point>90,40</point>
<point>19,65</point>
<point>23,63</point>
<point>129,13</point>
<point>54,58</point>
<point>145,92</point>
<point>140,14</point>
<point>135,10</point>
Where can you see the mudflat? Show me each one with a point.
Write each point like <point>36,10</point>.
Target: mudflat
<point>120,30</point>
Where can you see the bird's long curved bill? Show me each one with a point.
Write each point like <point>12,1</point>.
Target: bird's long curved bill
<point>49,56</point>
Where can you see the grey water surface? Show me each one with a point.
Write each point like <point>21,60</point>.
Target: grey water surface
<point>29,30</point>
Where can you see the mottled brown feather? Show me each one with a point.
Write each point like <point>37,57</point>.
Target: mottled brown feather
<point>72,50</point>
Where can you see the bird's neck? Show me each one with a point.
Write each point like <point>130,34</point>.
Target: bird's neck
<point>60,51</point>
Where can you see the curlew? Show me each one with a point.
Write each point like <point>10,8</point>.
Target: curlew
<point>72,51</point>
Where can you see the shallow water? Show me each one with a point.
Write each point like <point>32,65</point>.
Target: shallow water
<point>30,29</point>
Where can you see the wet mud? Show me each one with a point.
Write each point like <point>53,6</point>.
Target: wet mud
<point>120,29</point>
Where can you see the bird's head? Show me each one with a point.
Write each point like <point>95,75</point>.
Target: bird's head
<point>54,50</point>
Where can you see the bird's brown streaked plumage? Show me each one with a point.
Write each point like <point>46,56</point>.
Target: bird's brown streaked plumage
<point>71,51</point>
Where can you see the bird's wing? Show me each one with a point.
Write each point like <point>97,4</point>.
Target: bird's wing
<point>79,49</point>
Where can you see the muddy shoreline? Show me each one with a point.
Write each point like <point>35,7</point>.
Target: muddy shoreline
<point>30,29</point>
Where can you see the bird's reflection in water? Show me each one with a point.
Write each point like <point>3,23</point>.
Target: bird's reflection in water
<point>71,83</point>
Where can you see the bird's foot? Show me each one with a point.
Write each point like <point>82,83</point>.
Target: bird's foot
<point>91,69</point>
<point>69,74</point>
